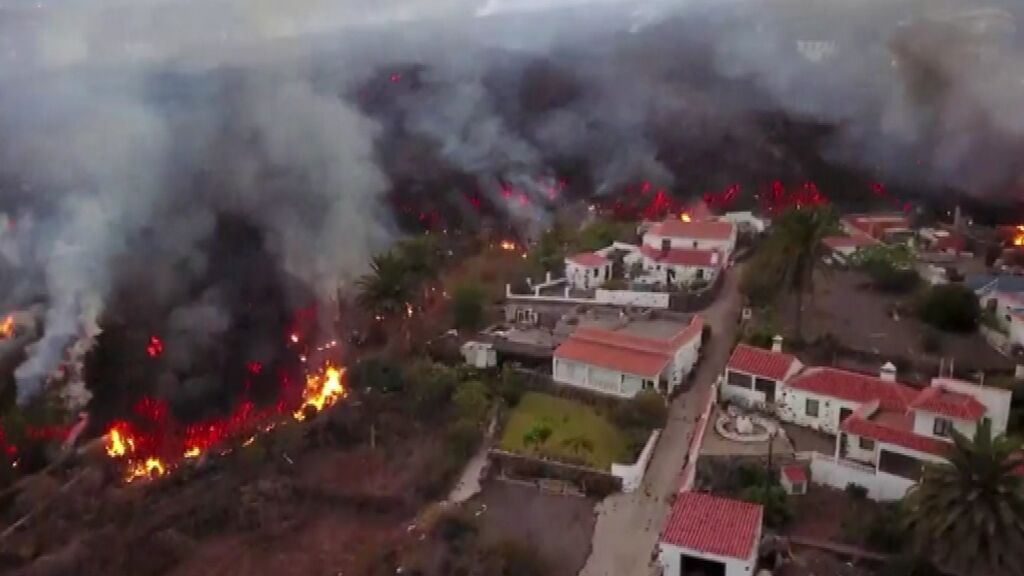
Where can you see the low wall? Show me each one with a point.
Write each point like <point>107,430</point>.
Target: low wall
<point>633,474</point>
<point>829,471</point>
<point>632,298</point>
<point>689,473</point>
<point>591,481</point>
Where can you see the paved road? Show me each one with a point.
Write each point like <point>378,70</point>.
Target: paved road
<point>628,524</point>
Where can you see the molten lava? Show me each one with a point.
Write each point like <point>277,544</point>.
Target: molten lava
<point>155,347</point>
<point>149,468</point>
<point>119,441</point>
<point>685,217</point>
<point>508,245</point>
<point>1018,236</point>
<point>7,327</point>
<point>322,390</point>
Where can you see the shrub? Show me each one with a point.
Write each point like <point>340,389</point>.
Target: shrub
<point>462,437</point>
<point>931,342</point>
<point>888,278</point>
<point>467,306</point>
<point>511,386</point>
<point>856,491</point>
<point>950,307</point>
<point>471,401</point>
<point>777,512</point>
<point>431,386</point>
<point>646,410</point>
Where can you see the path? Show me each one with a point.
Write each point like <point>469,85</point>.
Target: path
<point>628,524</point>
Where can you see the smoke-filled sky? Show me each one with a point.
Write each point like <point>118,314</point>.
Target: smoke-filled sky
<point>115,114</point>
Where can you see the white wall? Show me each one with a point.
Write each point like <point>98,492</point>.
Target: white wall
<point>855,452</point>
<point>586,277</point>
<point>633,474</point>
<point>924,425</point>
<point>828,471</point>
<point>631,298</point>
<point>996,401</point>
<point>792,403</point>
<point>596,378</point>
<point>670,558</point>
<point>725,246</point>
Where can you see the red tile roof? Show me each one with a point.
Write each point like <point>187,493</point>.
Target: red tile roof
<point>876,225</point>
<point>683,256</point>
<point>620,358</point>
<point>588,259</point>
<point>894,428</point>
<point>701,230</point>
<point>853,386</point>
<point>952,404</point>
<point>624,352</point>
<point>713,525</point>
<point>760,362</point>
<point>795,473</point>
<point>839,242</point>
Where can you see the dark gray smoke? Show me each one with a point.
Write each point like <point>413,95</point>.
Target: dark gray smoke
<point>117,116</point>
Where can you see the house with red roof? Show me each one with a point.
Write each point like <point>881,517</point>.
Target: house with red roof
<point>587,270</point>
<point>623,359</point>
<point>710,535</point>
<point>884,431</point>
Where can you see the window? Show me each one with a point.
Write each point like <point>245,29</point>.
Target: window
<point>811,409</point>
<point>942,427</point>
<point>596,272</point>
<point>867,443</point>
<point>799,488</point>
<point>739,380</point>
<point>700,273</point>
<point>666,244</point>
<point>695,244</point>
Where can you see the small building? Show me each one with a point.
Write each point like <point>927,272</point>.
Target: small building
<point>747,222</point>
<point>587,270</point>
<point>843,247</point>
<point>793,478</point>
<point>754,376</point>
<point>681,265</point>
<point>710,535</point>
<point>633,356</point>
<point>938,240</point>
<point>479,354</point>
<point>1007,308</point>
<point>881,227</point>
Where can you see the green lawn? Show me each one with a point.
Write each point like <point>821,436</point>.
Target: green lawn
<point>567,419</point>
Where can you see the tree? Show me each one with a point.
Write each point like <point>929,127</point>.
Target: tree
<point>471,401</point>
<point>578,444</point>
<point>600,234</point>
<point>420,258</point>
<point>796,239</point>
<point>776,504</point>
<point>646,410</point>
<point>431,386</point>
<point>537,435</point>
<point>387,289</point>
<point>967,516</point>
<point>950,307</point>
<point>467,306</point>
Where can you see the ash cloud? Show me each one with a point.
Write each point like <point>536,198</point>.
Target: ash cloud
<point>128,127</point>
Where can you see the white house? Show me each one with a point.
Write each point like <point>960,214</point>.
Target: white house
<point>587,270</point>
<point>1008,310</point>
<point>673,233</point>
<point>624,361</point>
<point>884,431</point>
<point>754,376</point>
<point>680,265</point>
<point>708,534</point>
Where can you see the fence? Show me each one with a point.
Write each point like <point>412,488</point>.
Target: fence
<point>591,481</point>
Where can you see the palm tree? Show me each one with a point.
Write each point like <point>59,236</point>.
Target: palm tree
<point>967,516</point>
<point>796,239</point>
<point>387,289</point>
<point>537,435</point>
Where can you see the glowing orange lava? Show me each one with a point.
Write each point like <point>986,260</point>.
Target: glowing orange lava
<point>150,468</point>
<point>7,327</point>
<point>322,390</point>
<point>685,217</point>
<point>192,452</point>
<point>508,245</point>
<point>119,443</point>
<point>1018,238</point>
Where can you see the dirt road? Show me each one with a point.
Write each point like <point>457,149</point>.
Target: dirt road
<point>628,524</point>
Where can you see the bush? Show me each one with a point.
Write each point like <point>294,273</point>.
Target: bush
<point>931,342</point>
<point>462,437</point>
<point>646,410</point>
<point>511,386</point>
<point>777,512</point>
<point>471,401</point>
<point>856,491</point>
<point>888,278</point>
<point>467,306</point>
<point>950,307</point>
<point>431,386</point>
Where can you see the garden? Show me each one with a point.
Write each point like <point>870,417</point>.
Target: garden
<point>576,432</point>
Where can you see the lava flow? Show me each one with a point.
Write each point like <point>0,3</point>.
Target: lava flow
<point>7,327</point>
<point>152,450</point>
<point>1018,236</point>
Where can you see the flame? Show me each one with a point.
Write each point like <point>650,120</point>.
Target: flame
<point>1018,238</point>
<point>322,390</point>
<point>150,468</point>
<point>685,217</point>
<point>192,452</point>
<point>508,245</point>
<point>119,442</point>
<point>7,327</point>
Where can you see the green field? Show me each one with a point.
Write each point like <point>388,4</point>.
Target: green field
<point>567,419</point>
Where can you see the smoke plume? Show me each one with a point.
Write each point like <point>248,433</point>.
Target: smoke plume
<point>130,128</point>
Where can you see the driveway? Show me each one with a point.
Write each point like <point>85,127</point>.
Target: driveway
<point>628,525</point>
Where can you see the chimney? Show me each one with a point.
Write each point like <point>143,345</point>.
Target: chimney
<point>777,343</point>
<point>888,372</point>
